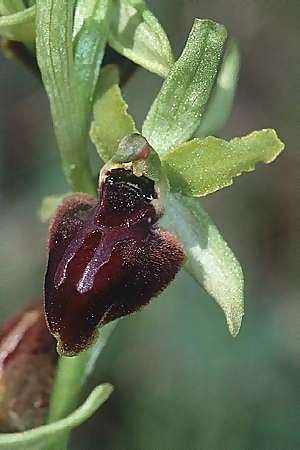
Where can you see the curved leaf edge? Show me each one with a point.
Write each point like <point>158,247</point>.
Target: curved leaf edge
<point>96,398</point>
<point>231,178</point>
<point>210,260</point>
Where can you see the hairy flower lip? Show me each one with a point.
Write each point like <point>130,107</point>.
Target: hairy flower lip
<point>108,258</point>
<point>93,225</point>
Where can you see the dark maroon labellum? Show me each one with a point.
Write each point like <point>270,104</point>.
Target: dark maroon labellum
<point>27,365</point>
<point>106,259</point>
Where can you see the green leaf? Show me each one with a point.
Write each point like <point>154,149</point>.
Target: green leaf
<point>209,259</point>
<point>70,80</point>
<point>137,35</point>
<point>176,113</point>
<point>221,101</point>
<point>111,119</point>
<point>19,26</point>
<point>202,166</point>
<point>49,205</point>
<point>53,436</point>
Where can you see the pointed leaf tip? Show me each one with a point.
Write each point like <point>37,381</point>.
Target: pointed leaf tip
<point>209,259</point>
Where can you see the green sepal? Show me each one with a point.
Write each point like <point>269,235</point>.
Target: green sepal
<point>209,259</point>
<point>176,112</point>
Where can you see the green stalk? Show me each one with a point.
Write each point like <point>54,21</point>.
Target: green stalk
<point>71,374</point>
<point>70,71</point>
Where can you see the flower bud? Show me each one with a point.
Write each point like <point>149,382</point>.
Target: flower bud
<point>108,258</point>
<point>27,364</point>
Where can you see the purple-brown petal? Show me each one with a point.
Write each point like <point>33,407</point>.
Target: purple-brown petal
<point>106,260</point>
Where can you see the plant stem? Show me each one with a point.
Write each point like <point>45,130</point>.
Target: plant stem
<point>73,371</point>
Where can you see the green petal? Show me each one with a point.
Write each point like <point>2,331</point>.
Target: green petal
<point>19,26</point>
<point>209,259</point>
<point>202,166</point>
<point>137,35</point>
<point>53,436</point>
<point>176,112</point>
<point>220,103</point>
<point>111,119</point>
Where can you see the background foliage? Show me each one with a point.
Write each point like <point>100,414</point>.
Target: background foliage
<point>202,388</point>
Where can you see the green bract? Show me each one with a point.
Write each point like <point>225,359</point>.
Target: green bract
<point>209,259</point>
<point>202,166</point>
<point>176,112</point>
<point>136,33</point>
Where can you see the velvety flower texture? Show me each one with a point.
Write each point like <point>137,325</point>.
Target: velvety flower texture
<point>107,258</point>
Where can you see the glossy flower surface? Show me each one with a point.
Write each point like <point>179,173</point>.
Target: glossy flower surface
<point>107,258</point>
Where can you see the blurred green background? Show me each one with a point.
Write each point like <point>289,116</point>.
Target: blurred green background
<point>181,382</point>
